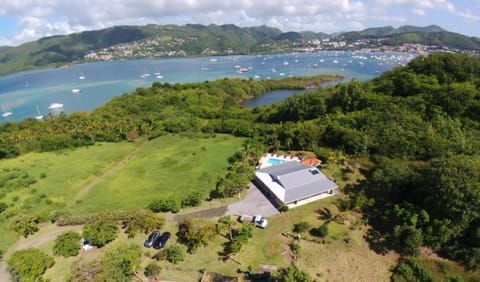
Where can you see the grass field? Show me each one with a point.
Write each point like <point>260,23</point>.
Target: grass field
<point>113,176</point>
<point>66,173</point>
<point>168,166</point>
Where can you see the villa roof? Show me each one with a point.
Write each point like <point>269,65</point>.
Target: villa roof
<point>311,161</point>
<point>294,181</point>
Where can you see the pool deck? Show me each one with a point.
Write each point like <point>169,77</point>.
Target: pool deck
<point>264,160</point>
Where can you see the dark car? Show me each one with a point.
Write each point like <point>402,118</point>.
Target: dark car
<point>162,240</point>
<point>151,239</point>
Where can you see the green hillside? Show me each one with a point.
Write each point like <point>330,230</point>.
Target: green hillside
<point>195,39</point>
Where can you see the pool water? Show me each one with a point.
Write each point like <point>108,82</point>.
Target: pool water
<point>275,161</point>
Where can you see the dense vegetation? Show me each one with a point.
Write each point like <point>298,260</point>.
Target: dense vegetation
<point>416,128</point>
<point>28,265</point>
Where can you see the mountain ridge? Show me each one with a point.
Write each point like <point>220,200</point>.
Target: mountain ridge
<point>212,39</point>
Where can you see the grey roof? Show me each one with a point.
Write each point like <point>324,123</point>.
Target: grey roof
<point>299,181</point>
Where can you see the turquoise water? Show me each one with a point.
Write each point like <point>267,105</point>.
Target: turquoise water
<point>275,161</point>
<point>20,93</point>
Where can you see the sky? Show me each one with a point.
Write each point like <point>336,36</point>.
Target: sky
<point>27,20</point>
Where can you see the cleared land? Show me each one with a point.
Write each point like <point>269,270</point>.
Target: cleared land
<point>168,166</point>
<point>113,176</point>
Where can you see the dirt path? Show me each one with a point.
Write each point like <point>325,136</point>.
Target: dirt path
<point>118,166</point>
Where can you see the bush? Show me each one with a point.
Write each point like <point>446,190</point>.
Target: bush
<point>321,231</point>
<point>142,221</point>
<point>296,247</point>
<point>152,269</point>
<point>67,244</point>
<point>3,207</point>
<point>54,215</point>
<point>284,208</point>
<point>100,231</point>
<point>164,205</point>
<point>193,199</point>
<point>24,224</point>
<point>28,265</point>
<point>301,227</point>
<point>175,253</point>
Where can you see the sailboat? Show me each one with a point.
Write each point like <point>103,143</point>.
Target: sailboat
<point>81,77</point>
<point>6,113</point>
<point>39,115</point>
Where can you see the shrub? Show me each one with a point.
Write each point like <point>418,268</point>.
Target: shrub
<point>28,265</point>
<point>296,247</point>
<point>67,219</point>
<point>301,227</point>
<point>152,269</point>
<point>100,231</point>
<point>164,205</point>
<point>284,208</point>
<point>3,207</point>
<point>193,199</point>
<point>321,231</point>
<point>175,253</point>
<point>67,244</point>
<point>24,224</point>
<point>142,221</point>
<point>54,215</point>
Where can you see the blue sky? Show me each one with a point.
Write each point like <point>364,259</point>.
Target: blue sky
<point>26,20</point>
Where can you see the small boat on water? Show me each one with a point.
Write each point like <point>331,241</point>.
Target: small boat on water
<point>76,90</point>
<point>242,70</point>
<point>6,112</point>
<point>55,106</point>
<point>39,115</point>
<point>81,77</point>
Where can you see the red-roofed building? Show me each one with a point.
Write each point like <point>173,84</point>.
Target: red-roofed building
<point>311,161</point>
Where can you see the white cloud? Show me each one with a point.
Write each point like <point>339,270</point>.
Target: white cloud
<point>37,18</point>
<point>419,12</point>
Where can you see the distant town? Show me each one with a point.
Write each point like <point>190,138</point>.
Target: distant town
<point>167,46</point>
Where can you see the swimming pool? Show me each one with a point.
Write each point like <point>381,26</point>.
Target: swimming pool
<point>273,161</point>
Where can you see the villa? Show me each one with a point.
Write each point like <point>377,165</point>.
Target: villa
<point>293,183</point>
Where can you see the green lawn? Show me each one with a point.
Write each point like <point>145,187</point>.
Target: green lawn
<point>168,166</point>
<point>113,176</point>
<point>65,174</point>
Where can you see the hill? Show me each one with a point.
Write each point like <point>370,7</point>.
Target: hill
<point>429,35</point>
<point>127,42</point>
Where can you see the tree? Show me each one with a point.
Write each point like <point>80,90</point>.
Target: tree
<point>291,274</point>
<point>67,244</point>
<point>175,253</point>
<point>152,269</point>
<point>141,220</point>
<point>121,261</point>
<point>28,265</point>
<point>195,232</point>
<point>25,224</point>
<point>100,231</point>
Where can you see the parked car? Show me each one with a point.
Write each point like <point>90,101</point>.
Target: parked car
<point>151,239</point>
<point>162,240</point>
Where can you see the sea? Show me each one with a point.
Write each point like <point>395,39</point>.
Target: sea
<point>84,87</point>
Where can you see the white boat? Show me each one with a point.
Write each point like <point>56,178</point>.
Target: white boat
<point>76,90</point>
<point>6,113</point>
<point>81,77</point>
<point>55,106</point>
<point>242,70</point>
<point>159,76</point>
<point>39,115</point>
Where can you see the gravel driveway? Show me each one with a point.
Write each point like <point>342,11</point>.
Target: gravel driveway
<point>254,203</point>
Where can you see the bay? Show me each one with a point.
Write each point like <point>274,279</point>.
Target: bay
<point>97,82</point>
